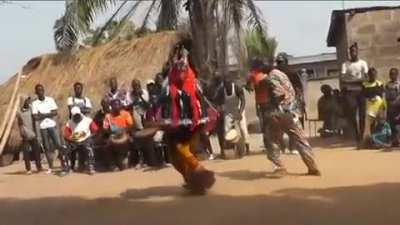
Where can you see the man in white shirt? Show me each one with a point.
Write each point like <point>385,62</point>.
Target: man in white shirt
<point>44,111</point>
<point>354,72</point>
<point>79,100</point>
<point>78,132</point>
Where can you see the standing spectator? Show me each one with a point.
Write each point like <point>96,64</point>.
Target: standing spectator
<point>78,132</point>
<point>392,93</point>
<point>79,100</point>
<point>339,121</point>
<point>153,115</point>
<point>138,102</point>
<point>115,92</point>
<point>353,73</point>
<point>44,110</point>
<point>372,92</point>
<point>230,97</point>
<point>31,146</point>
<point>326,110</point>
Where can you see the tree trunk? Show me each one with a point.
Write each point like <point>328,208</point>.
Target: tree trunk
<point>202,20</point>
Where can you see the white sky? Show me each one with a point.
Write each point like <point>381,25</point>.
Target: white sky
<point>300,27</point>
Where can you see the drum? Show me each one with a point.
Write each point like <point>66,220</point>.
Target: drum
<point>119,138</point>
<point>146,132</point>
<point>232,136</point>
<point>79,136</point>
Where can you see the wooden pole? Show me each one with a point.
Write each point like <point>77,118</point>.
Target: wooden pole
<point>10,124</point>
<point>10,105</point>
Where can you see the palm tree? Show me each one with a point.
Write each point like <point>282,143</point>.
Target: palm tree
<point>210,21</point>
<point>258,46</point>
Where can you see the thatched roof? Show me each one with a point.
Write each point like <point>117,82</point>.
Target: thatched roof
<point>139,58</point>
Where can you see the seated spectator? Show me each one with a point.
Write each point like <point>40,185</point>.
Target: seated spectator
<point>326,110</point>
<point>372,92</point>
<point>78,133</point>
<point>119,124</point>
<point>101,137</point>
<point>381,134</point>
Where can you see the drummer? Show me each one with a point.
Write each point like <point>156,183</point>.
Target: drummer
<point>230,97</point>
<point>119,124</point>
<point>78,132</point>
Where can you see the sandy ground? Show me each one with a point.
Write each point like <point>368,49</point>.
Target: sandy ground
<point>357,187</point>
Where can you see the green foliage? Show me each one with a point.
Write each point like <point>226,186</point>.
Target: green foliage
<point>78,16</point>
<point>259,46</point>
<point>116,29</point>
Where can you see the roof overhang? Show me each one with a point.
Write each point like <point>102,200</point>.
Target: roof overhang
<point>338,16</point>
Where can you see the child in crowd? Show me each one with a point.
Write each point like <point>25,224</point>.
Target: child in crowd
<point>375,104</point>
<point>382,133</point>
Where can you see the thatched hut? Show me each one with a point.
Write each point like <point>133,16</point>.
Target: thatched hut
<point>140,58</point>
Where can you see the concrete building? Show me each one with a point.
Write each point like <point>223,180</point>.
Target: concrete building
<point>322,66</point>
<point>376,31</point>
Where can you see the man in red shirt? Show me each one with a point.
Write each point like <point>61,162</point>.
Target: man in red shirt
<point>256,82</point>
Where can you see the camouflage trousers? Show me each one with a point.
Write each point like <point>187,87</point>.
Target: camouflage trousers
<point>277,123</point>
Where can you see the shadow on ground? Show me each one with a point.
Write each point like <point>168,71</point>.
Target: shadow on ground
<point>331,142</point>
<point>355,205</point>
<point>247,175</point>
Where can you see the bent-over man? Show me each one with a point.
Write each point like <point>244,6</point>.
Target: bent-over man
<point>282,115</point>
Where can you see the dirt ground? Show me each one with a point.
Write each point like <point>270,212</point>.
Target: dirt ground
<point>357,187</point>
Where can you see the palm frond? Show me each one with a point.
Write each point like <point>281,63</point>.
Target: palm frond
<point>109,21</point>
<point>87,10</point>
<point>124,20</point>
<point>148,13</point>
<point>65,34</point>
<point>255,19</point>
<point>236,12</point>
<point>259,46</point>
<point>78,16</point>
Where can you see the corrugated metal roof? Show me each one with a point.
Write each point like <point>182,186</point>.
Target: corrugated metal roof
<point>312,58</point>
<point>338,15</point>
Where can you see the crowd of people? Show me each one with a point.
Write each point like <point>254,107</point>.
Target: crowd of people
<point>167,121</point>
<point>364,105</point>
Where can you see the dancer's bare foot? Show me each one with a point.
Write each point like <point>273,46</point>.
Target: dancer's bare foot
<point>280,172</point>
